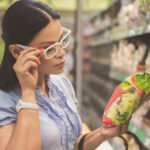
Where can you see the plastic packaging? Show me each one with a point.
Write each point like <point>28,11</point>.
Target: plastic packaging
<point>126,99</point>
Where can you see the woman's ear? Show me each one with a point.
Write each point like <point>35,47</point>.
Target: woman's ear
<point>14,50</point>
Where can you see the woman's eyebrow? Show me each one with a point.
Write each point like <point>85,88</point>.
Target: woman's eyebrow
<point>47,42</point>
<point>51,42</point>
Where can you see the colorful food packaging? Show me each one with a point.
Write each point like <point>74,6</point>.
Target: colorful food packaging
<point>126,98</point>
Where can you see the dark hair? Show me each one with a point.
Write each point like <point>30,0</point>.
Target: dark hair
<point>21,22</point>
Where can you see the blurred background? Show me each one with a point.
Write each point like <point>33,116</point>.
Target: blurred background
<point>110,41</point>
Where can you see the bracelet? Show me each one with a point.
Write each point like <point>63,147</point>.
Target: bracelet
<point>26,105</point>
<point>80,146</point>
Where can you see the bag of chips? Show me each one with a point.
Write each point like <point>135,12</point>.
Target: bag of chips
<point>126,99</point>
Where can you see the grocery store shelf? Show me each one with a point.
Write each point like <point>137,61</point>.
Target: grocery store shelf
<point>102,61</point>
<point>101,30</point>
<point>100,81</point>
<point>140,134</point>
<point>117,76</point>
<point>96,97</point>
<point>145,29</point>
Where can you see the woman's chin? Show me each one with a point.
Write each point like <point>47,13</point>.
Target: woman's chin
<point>57,71</point>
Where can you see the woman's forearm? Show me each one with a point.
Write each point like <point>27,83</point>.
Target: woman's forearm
<point>26,135</point>
<point>92,140</point>
<point>96,137</point>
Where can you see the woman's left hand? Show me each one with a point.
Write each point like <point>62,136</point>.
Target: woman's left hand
<point>109,131</point>
<point>96,137</point>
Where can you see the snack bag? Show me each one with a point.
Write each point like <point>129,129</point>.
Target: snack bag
<point>126,98</point>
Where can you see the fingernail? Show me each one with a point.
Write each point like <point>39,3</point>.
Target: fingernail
<point>39,62</point>
<point>41,49</point>
<point>33,46</point>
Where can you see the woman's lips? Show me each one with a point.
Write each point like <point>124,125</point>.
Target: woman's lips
<point>61,64</point>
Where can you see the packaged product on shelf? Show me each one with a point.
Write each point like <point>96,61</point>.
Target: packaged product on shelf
<point>145,9</point>
<point>126,98</point>
<point>140,52</point>
<point>129,16</point>
<point>124,55</point>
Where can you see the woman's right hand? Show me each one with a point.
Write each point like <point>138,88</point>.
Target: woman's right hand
<point>26,68</point>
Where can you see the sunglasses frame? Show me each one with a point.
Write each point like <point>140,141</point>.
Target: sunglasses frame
<point>57,44</point>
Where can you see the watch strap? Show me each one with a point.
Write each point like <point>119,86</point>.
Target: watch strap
<point>26,105</point>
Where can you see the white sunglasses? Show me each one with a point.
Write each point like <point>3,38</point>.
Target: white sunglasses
<point>52,50</point>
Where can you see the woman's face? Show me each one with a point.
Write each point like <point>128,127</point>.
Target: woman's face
<point>49,35</point>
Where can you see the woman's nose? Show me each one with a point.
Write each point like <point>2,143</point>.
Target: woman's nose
<point>61,52</point>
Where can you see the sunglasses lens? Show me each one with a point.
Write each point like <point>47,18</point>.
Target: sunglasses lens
<point>51,51</point>
<point>66,40</point>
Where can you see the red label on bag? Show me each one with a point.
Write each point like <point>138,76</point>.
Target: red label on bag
<point>133,79</point>
<point>107,120</point>
<point>142,93</point>
<point>118,91</point>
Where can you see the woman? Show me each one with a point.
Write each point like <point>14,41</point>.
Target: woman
<point>38,107</point>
